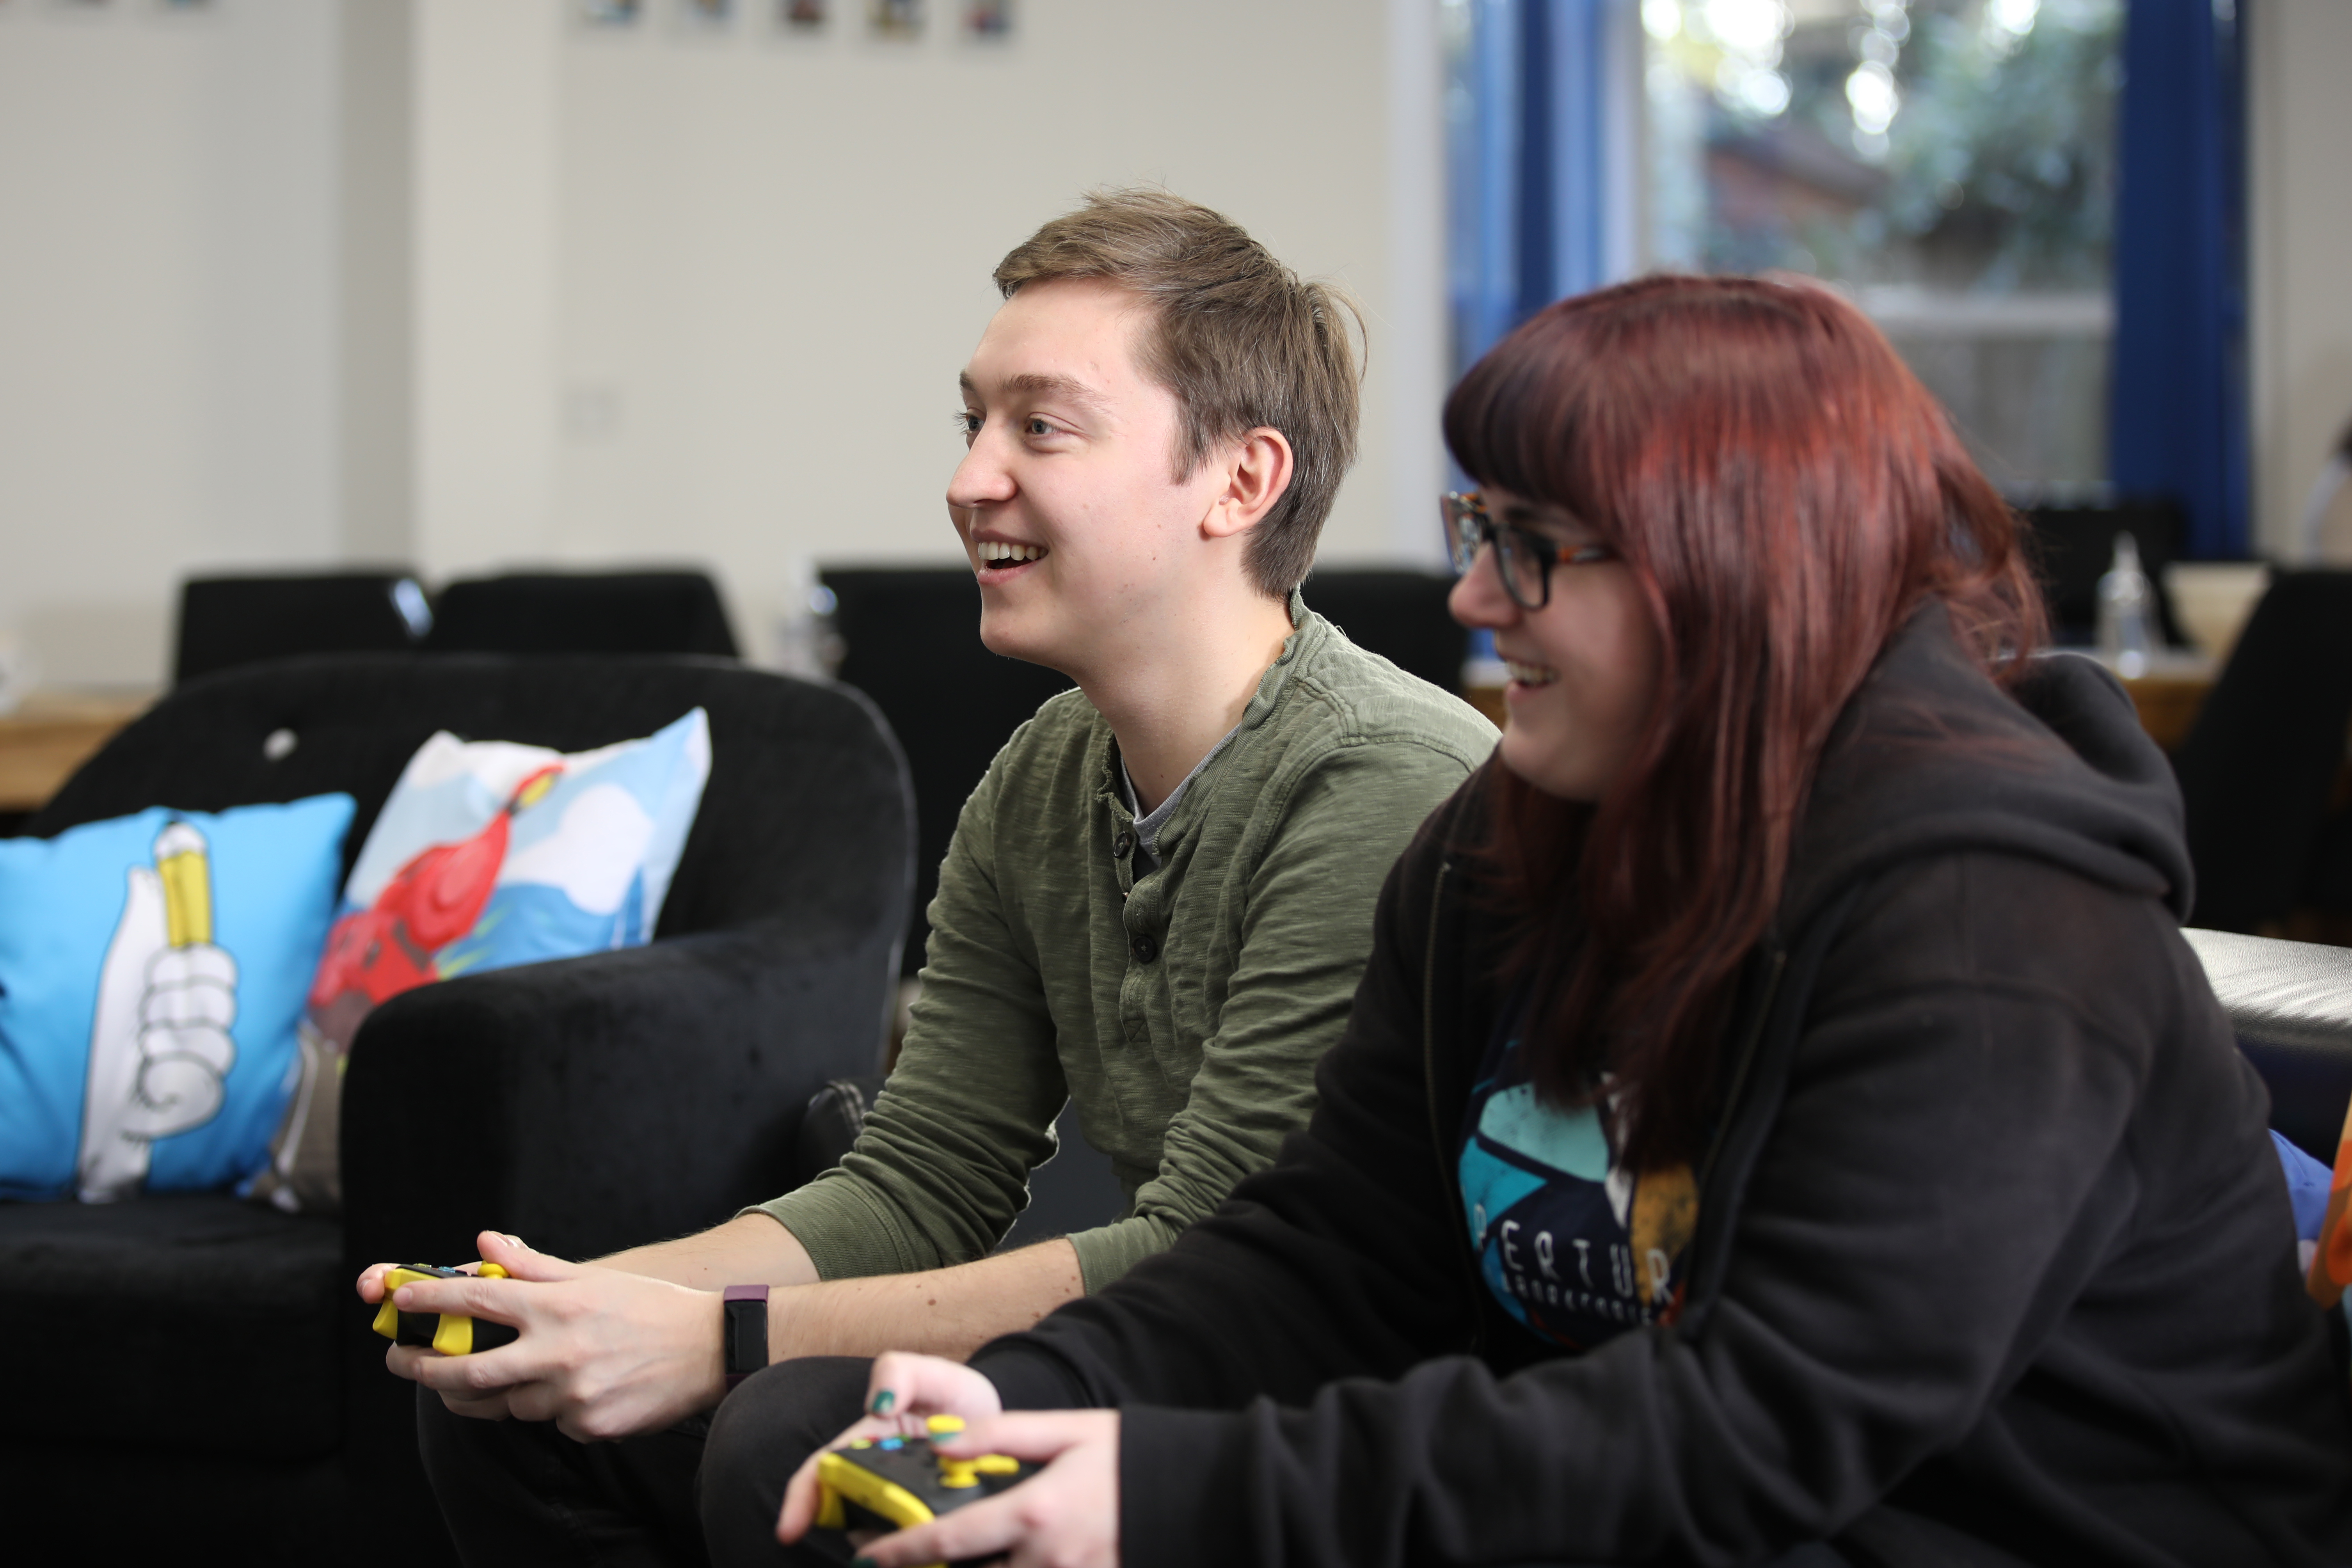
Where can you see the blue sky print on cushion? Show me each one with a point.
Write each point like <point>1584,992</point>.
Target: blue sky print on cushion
<point>587,863</point>
<point>1573,1245</point>
<point>152,971</point>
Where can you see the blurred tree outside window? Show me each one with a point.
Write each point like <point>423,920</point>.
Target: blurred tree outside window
<point>1952,162</point>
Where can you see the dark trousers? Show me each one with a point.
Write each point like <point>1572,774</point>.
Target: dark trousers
<point>517,1493</point>
<point>706,1490</point>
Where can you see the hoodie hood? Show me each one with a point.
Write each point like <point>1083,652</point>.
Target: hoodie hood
<point>1931,757</point>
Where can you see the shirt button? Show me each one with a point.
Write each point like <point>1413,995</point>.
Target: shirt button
<point>1146,947</point>
<point>1121,846</point>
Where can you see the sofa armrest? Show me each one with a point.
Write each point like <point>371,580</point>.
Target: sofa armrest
<point>599,1102</point>
<point>2291,1004</point>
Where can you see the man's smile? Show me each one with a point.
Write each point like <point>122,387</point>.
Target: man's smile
<point>1000,560</point>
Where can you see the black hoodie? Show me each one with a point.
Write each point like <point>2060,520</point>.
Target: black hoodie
<point>1994,1258</point>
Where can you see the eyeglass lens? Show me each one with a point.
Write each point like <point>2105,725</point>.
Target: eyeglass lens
<point>1467,527</point>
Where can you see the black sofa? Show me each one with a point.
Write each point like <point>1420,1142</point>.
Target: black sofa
<point>193,1374</point>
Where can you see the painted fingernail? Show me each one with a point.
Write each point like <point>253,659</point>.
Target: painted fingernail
<point>881,1406</point>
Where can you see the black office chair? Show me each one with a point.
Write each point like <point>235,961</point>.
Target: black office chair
<point>1397,613</point>
<point>230,621</point>
<point>910,640</point>
<point>581,612</point>
<point>2259,767</point>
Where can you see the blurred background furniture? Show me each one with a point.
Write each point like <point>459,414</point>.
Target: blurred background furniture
<point>2262,774</point>
<point>46,739</point>
<point>910,638</point>
<point>2291,1004</point>
<point>195,1369</point>
<point>230,621</point>
<point>581,612</point>
<point>2072,547</point>
<point>1397,613</point>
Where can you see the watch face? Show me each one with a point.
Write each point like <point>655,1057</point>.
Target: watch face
<point>746,1348</point>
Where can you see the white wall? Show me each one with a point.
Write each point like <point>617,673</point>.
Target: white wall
<point>2299,54</point>
<point>167,313</point>
<point>775,251</point>
<point>470,283</point>
<point>291,282</point>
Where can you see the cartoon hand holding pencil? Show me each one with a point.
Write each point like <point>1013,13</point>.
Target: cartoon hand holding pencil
<point>159,1045</point>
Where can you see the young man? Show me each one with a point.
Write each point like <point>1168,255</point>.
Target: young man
<point>1156,905</point>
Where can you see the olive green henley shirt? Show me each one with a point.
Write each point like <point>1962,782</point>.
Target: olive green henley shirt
<point>1183,1009</point>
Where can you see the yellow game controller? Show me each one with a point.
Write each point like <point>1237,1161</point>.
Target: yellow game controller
<point>889,1483</point>
<point>448,1332</point>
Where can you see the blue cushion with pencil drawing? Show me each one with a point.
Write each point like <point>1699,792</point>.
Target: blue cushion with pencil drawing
<point>153,973</point>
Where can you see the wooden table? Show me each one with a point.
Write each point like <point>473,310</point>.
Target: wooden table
<point>2168,696</point>
<point>2168,699</point>
<point>51,734</point>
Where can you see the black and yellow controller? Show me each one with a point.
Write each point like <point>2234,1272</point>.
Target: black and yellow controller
<point>889,1483</point>
<point>445,1332</point>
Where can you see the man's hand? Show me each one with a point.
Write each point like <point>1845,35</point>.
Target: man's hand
<point>601,1352</point>
<point>1066,1515</point>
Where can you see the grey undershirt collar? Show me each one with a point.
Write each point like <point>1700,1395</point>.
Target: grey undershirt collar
<point>1147,829</point>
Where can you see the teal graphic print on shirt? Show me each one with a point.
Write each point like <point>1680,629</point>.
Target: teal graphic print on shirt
<point>1574,1246</point>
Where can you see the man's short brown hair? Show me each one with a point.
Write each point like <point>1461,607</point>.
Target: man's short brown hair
<point>1239,339</point>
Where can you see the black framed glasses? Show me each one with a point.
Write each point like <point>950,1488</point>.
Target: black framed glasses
<point>1523,558</point>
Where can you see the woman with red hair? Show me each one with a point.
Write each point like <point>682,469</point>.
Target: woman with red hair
<point>1781,1119</point>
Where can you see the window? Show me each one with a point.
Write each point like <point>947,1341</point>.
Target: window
<point>1952,163</point>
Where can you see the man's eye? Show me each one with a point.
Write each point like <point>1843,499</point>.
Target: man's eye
<point>1040,426</point>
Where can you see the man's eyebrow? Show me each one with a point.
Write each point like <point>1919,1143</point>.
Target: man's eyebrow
<point>1039,385</point>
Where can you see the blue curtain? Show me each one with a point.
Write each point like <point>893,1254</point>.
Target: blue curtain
<point>2177,421</point>
<point>1528,168</point>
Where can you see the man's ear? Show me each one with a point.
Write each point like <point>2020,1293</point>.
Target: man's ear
<point>1257,472</point>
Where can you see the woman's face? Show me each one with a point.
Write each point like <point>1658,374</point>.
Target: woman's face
<point>1584,668</point>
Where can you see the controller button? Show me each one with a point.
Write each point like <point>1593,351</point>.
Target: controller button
<point>942,1425</point>
<point>861,1442</point>
<point>997,1464</point>
<point>959,1474</point>
<point>891,1444</point>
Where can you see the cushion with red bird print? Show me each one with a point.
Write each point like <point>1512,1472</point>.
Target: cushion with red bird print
<point>487,854</point>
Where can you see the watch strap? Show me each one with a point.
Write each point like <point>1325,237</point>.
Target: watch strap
<point>745,1332</point>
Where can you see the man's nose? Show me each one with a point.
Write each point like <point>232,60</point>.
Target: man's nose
<point>1478,599</point>
<point>981,477</point>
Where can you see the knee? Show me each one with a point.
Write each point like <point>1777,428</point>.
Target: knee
<point>760,1435</point>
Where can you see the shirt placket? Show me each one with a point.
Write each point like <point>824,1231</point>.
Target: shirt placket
<point>1143,923</point>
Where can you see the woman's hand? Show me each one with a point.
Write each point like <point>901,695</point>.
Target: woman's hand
<point>1066,1515</point>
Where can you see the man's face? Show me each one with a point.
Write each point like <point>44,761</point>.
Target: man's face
<point>1083,540</point>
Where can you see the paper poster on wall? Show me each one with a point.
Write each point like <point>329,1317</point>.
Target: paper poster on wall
<point>988,20</point>
<point>804,15</point>
<point>710,13</point>
<point>896,18</point>
<point>610,13</point>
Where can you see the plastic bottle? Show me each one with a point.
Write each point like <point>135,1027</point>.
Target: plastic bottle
<point>2125,600</point>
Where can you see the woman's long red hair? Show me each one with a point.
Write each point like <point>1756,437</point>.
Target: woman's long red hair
<point>1787,494</point>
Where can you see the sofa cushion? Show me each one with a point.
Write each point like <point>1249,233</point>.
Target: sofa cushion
<point>151,971</point>
<point>487,854</point>
<point>193,1322</point>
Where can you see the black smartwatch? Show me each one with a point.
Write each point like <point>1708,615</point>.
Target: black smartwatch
<point>746,1333</point>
